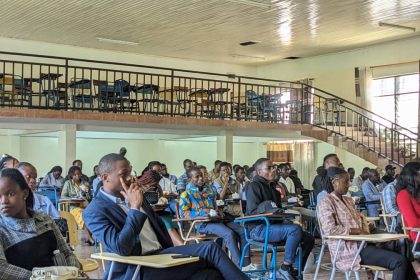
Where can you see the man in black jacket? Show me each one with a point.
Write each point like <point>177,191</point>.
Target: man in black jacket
<point>260,193</point>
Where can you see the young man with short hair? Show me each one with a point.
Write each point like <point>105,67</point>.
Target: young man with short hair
<point>262,191</point>
<point>196,202</point>
<point>126,224</point>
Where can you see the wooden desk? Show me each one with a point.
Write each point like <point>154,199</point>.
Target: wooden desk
<point>155,261</point>
<point>66,202</point>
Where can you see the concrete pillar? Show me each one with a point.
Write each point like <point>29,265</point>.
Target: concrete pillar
<point>67,145</point>
<point>225,146</point>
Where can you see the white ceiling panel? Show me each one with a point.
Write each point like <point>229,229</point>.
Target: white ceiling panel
<point>212,29</point>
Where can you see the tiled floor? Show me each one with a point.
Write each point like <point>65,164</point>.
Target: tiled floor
<point>83,251</point>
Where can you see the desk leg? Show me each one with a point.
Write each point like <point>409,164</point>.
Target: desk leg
<point>362,244</point>
<point>136,272</point>
<point>110,270</point>
<point>321,253</point>
<point>335,260</point>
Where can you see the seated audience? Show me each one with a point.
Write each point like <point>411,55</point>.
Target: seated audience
<point>182,181</point>
<point>196,202</point>
<point>227,188</point>
<point>351,172</point>
<point>79,164</point>
<point>125,224</point>
<point>408,198</point>
<point>319,179</point>
<point>7,161</point>
<point>390,174</point>
<point>94,176</point>
<point>283,171</point>
<point>53,178</point>
<point>371,193</point>
<point>243,182</point>
<point>41,203</point>
<point>293,174</point>
<point>75,186</point>
<point>260,192</point>
<point>214,173</point>
<point>165,174</point>
<point>149,182</point>
<point>208,186</point>
<point>28,239</point>
<point>338,216</point>
<point>389,195</point>
<point>358,182</point>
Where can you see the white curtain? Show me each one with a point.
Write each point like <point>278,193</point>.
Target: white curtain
<point>304,162</point>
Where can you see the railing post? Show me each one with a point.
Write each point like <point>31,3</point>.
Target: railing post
<point>66,74</point>
<point>393,140</point>
<point>172,93</point>
<point>238,110</point>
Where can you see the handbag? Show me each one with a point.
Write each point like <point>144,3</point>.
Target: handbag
<point>57,273</point>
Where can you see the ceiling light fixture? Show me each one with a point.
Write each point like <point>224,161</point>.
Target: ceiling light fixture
<point>262,4</point>
<point>248,56</point>
<point>114,41</point>
<point>384,24</point>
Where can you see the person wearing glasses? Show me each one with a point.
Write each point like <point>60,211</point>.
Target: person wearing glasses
<point>262,191</point>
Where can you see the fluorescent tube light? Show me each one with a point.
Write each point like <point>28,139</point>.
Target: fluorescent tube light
<point>113,41</point>
<point>248,56</point>
<point>261,4</point>
<point>391,25</point>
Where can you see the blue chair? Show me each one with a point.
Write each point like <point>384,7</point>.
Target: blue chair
<point>51,193</point>
<point>265,245</point>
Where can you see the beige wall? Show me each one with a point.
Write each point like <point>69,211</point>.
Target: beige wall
<point>43,151</point>
<point>346,158</point>
<point>34,47</point>
<point>335,72</point>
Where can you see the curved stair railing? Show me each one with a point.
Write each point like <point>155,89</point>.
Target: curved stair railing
<point>59,83</point>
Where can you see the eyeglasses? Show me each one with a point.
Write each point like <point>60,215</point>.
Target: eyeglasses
<point>270,167</point>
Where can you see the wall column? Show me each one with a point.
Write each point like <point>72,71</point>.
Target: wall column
<point>225,146</point>
<point>67,145</point>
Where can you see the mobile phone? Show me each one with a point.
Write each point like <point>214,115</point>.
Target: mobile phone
<point>181,256</point>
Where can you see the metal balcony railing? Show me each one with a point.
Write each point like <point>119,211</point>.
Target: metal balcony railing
<point>57,83</point>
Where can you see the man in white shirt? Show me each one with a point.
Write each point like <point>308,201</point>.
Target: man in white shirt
<point>284,170</point>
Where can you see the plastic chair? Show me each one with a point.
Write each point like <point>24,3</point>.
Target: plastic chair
<point>324,239</point>
<point>265,245</point>
<point>51,193</point>
<point>73,235</point>
<point>406,230</point>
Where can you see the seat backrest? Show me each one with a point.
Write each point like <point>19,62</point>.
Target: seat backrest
<point>151,197</point>
<point>122,88</point>
<point>72,225</point>
<point>251,98</point>
<point>51,193</point>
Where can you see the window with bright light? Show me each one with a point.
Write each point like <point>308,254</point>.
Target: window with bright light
<point>396,99</point>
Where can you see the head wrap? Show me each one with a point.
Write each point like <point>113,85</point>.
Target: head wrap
<point>149,177</point>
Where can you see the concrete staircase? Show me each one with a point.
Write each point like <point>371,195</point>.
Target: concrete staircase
<point>364,144</point>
